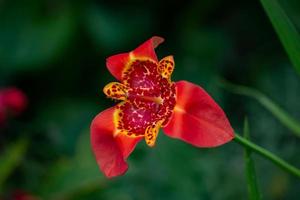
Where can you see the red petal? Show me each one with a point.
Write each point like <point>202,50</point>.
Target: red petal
<point>147,48</point>
<point>117,63</point>
<point>127,144</point>
<point>22,195</point>
<point>110,151</point>
<point>197,118</point>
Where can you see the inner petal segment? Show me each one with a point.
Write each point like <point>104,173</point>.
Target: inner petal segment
<point>166,67</point>
<point>152,132</point>
<point>116,90</point>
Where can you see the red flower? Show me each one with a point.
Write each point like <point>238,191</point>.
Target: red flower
<point>12,102</point>
<point>149,101</point>
<point>22,195</point>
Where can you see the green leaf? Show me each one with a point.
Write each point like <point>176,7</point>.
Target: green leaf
<point>268,155</point>
<point>286,30</point>
<point>11,158</point>
<point>285,118</point>
<point>250,168</point>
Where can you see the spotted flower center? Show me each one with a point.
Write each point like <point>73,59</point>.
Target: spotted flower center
<point>148,97</point>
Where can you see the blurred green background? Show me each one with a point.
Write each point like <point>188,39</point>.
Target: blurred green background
<point>55,50</point>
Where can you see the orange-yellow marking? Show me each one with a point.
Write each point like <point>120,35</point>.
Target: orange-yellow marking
<point>115,90</point>
<point>152,132</point>
<point>166,67</point>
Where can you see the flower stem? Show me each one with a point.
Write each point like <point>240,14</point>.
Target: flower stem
<point>267,154</point>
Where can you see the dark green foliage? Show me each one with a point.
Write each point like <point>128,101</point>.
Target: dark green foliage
<point>55,50</point>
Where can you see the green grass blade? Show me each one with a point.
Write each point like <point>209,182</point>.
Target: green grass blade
<point>11,158</point>
<point>250,169</point>
<point>286,119</point>
<point>268,155</point>
<point>287,32</point>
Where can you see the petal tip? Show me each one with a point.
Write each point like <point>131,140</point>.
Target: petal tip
<point>157,40</point>
<point>113,174</point>
<point>116,63</point>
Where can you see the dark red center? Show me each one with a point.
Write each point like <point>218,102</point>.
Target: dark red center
<point>151,98</point>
